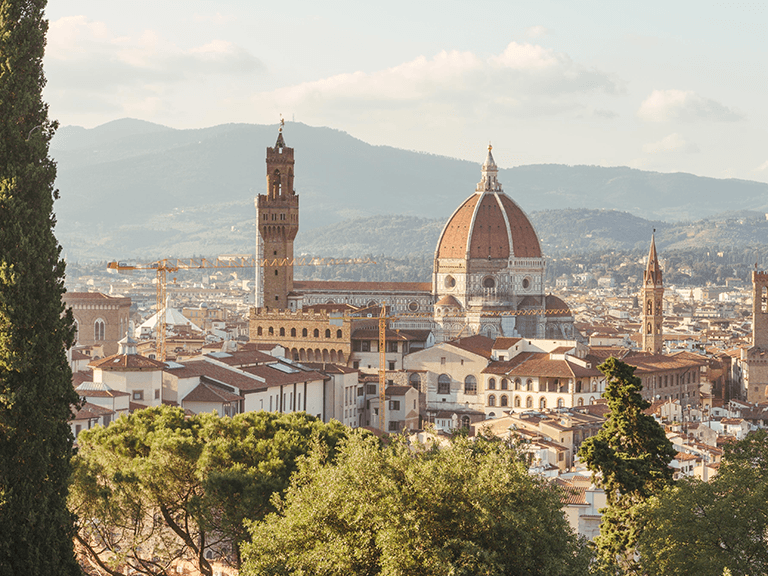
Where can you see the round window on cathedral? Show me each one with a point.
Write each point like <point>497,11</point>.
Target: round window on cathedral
<point>489,282</point>
<point>450,282</point>
<point>413,306</point>
<point>526,283</point>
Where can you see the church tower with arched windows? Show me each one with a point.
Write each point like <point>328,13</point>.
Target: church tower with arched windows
<point>652,297</point>
<point>277,214</point>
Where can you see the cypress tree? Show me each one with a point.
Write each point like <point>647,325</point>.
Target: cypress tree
<point>36,391</point>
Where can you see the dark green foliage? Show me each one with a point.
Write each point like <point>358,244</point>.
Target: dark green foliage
<point>703,528</point>
<point>630,456</point>
<point>469,509</point>
<point>36,391</point>
<point>156,487</point>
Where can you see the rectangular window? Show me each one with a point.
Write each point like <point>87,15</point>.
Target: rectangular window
<point>360,391</point>
<point>442,361</point>
<point>365,346</point>
<point>370,389</point>
<point>78,427</point>
<point>356,364</point>
<point>391,366</point>
<point>394,426</point>
<point>138,394</point>
<point>391,346</point>
<point>394,404</point>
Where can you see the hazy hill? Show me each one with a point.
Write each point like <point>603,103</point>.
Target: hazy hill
<point>135,189</point>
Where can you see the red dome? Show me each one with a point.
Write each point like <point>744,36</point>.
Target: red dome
<point>488,224</point>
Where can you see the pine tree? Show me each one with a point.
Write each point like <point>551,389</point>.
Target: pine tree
<point>36,391</point>
<point>631,456</point>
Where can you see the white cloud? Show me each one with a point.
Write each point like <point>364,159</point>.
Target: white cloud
<point>667,105</point>
<point>524,77</point>
<point>672,143</point>
<point>763,166</point>
<point>536,31</point>
<point>84,53</point>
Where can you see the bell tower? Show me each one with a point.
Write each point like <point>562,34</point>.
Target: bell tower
<point>277,214</point>
<point>652,296</point>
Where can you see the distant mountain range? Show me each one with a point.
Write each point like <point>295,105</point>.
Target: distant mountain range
<point>132,189</point>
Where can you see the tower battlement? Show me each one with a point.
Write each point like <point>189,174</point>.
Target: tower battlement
<point>759,276</point>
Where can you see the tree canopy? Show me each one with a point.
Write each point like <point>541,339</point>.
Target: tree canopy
<point>157,487</point>
<point>630,458</point>
<point>36,393</point>
<point>705,528</point>
<point>469,509</point>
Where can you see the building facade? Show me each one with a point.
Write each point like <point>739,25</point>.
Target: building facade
<point>100,320</point>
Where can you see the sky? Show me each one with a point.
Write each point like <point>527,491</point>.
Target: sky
<point>673,86</point>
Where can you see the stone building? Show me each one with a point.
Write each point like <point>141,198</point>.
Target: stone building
<point>99,319</point>
<point>488,277</point>
<point>652,297</point>
<point>753,362</point>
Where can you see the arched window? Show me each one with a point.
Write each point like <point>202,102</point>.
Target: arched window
<point>529,402</point>
<point>304,332</point>
<point>529,385</point>
<point>443,384</point>
<point>560,403</point>
<point>77,334</point>
<point>470,385</point>
<point>581,402</point>
<point>491,400</point>
<point>504,384</point>
<point>271,331</point>
<point>293,332</point>
<point>492,384</point>
<point>259,331</point>
<point>504,400</point>
<point>465,422</point>
<point>542,403</point>
<point>517,383</point>
<point>578,385</point>
<point>338,333</point>
<point>282,331</point>
<point>316,333</point>
<point>98,329</point>
<point>517,401</point>
<point>414,380</point>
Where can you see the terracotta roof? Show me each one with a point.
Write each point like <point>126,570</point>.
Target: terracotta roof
<point>275,377</point>
<point>81,376</point>
<point>208,393</point>
<point>478,344</point>
<point>244,357</point>
<point>347,287</point>
<point>505,343</point>
<point>78,355</point>
<point>329,368</point>
<point>539,364</point>
<point>397,390</point>
<point>127,362</point>
<point>203,368</point>
<point>483,226</point>
<point>90,411</point>
<point>552,302</point>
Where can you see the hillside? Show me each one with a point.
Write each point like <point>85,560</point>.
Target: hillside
<point>135,189</point>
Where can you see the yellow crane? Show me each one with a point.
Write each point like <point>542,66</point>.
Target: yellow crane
<point>165,265</point>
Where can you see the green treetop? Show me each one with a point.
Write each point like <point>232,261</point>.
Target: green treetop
<point>36,392</point>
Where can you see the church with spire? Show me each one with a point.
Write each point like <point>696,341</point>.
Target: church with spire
<point>652,298</point>
<point>488,276</point>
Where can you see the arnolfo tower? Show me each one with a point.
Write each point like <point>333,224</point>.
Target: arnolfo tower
<point>277,214</point>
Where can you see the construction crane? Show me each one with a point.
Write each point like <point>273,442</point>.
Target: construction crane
<point>165,265</point>
<point>384,318</point>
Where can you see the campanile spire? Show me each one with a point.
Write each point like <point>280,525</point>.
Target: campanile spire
<point>652,297</point>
